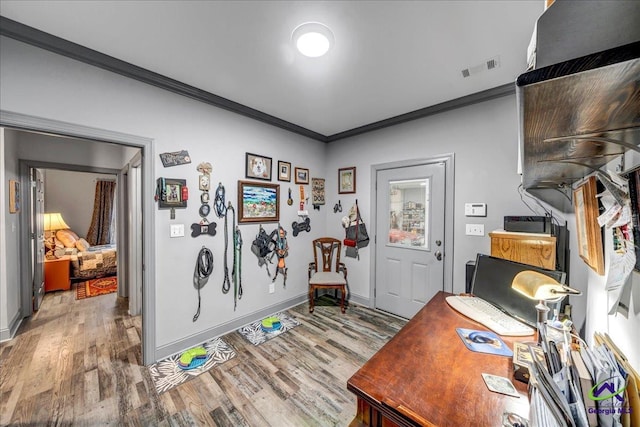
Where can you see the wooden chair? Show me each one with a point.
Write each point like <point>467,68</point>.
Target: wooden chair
<point>324,273</point>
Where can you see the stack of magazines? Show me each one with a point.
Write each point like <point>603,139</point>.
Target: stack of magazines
<point>580,386</point>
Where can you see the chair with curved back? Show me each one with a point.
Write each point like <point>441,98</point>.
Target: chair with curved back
<point>326,271</point>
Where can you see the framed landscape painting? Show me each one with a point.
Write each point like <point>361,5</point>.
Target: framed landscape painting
<point>258,202</point>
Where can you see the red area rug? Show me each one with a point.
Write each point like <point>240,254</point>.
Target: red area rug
<point>94,287</point>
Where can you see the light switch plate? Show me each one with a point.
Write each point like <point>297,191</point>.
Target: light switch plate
<point>272,288</point>
<point>475,229</point>
<point>177,230</point>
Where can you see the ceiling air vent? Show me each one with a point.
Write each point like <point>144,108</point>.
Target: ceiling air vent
<point>489,64</point>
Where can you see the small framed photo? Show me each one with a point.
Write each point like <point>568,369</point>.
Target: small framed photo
<point>14,196</point>
<point>588,232</point>
<point>258,167</point>
<point>302,176</point>
<point>170,193</point>
<point>204,182</point>
<point>284,171</point>
<point>258,202</point>
<point>347,180</point>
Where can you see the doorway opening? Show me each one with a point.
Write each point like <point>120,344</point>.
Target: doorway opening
<point>135,167</point>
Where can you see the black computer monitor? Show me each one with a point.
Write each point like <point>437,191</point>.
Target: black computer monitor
<point>492,282</point>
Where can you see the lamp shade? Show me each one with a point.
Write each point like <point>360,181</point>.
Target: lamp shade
<point>54,222</point>
<point>538,286</point>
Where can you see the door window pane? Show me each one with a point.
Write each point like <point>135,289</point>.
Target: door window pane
<point>408,201</point>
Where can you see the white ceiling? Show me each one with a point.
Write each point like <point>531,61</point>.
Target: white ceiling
<point>389,57</point>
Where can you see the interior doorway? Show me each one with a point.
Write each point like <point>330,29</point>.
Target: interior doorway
<point>19,122</point>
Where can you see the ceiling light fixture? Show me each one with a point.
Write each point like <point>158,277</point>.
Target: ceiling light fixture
<point>312,39</point>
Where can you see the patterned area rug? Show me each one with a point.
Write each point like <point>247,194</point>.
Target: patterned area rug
<point>256,336</point>
<point>166,374</point>
<point>94,287</point>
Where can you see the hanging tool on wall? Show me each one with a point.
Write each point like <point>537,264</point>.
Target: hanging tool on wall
<point>282,250</point>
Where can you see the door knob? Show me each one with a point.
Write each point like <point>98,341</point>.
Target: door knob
<point>438,255</point>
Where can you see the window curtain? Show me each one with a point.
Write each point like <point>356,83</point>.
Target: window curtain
<point>102,219</point>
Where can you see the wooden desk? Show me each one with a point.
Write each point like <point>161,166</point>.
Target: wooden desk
<point>426,376</point>
<point>57,274</point>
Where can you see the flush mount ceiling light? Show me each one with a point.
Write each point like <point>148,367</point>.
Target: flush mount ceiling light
<point>312,39</point>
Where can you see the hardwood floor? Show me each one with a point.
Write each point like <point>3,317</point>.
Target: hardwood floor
<point>79,363</point>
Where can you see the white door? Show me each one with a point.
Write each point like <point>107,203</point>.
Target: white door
<point>37,236</point>
<point>410,206</point>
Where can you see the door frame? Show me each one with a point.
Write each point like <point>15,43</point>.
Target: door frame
<point>449,175</point>
<point>25,122</point>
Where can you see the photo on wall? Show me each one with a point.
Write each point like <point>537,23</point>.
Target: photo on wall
<point>257,167</point>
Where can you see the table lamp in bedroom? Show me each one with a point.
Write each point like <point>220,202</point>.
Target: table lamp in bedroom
<point>52,223</point>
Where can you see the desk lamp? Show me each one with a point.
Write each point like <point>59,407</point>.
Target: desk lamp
<point>538,286</point>
<point>52,223</point>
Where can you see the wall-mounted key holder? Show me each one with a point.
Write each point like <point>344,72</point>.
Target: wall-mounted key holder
<point>171,193</point>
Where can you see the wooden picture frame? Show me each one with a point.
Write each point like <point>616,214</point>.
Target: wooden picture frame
<point>284,171</point>
<point>170,193</point>
<point>14,196</point>
<point>257,167</point>
<point>347,180</point>
<point>302,175</point>
<point>258,202</point>
<point>588,230</point>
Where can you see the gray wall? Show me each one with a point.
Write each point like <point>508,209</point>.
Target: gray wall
<point>9,248</point>
<point>46,85</point>
<point>72,194</point>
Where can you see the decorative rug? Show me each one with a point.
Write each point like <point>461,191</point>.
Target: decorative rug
<point>256,336</point>
<point>166,374</point>
<point>94,287</point>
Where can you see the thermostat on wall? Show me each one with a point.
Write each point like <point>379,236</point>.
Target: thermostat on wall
<point>475,209</point>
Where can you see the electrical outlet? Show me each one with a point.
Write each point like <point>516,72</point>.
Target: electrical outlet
<point>475,229</point>
<point>177,230</point>
<point>272,288</point>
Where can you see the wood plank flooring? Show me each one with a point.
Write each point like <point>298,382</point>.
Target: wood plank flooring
<point>79,363</point>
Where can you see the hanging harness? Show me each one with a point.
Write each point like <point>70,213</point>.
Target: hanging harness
<point>201,273</point>
<point>282,250</point>
<point>263,247</point>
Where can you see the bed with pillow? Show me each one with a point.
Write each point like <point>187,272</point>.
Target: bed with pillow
<point>87,261</point>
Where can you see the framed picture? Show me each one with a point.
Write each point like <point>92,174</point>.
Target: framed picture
<point>317,191</point>
<point>302,176</point>
<point>347,180</point>
<point>258,167</point>
<point>585,204</point>
<point>284,171</point>
<point>204,182</point>
<point>171,192</point>
<point>14,196</point>
<point>258,202</point>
